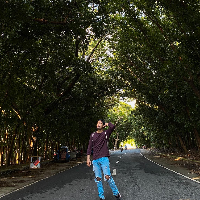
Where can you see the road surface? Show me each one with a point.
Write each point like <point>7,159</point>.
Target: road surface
<point>136,177</point>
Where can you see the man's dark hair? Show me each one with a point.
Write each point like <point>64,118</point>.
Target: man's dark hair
<point>102,121</point>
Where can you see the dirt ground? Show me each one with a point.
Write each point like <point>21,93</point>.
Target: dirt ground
<point>16,177</point>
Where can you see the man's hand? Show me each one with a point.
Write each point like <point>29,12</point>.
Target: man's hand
<point>88,161</point>
<point>106,124</point>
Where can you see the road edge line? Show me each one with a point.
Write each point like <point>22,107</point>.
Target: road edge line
<point>170,169</point>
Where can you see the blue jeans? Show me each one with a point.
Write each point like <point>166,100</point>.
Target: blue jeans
<point>99,165</point>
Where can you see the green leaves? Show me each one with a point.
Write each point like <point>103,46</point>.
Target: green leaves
<point>64,63</point>
<point>121,116</point>
<point>47,82</point>
<point>154,66</point>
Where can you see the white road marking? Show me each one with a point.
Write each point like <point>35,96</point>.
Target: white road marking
<point>171,169</point>
<point>114,172</point>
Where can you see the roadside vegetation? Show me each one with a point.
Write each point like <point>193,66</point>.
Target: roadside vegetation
<point>67,63</point>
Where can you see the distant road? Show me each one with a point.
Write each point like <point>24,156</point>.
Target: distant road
<point>136,177</point>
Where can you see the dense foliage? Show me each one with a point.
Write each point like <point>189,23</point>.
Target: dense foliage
<point>65,62</point>
<point>156,48</point>
<point>50,93</point>
<point>121,116</point>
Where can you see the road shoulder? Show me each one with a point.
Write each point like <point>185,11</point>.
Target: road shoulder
<point>21,178</point>
<point>174,163</point>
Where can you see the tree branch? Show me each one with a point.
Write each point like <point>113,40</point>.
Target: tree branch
<point>64,94</point>
<point>93,50</point>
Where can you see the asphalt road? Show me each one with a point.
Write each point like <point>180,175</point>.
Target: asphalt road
<point>136,177</point>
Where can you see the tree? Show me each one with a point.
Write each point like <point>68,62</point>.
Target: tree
<point>121,116</point>
<point>156,52</point>
<point>45,71</point>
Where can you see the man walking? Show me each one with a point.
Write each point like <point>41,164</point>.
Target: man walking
<point>98,143</point>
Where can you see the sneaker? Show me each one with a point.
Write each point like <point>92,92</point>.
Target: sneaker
<point>118,196</point>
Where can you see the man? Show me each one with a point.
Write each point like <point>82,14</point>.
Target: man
<point>98,143</point>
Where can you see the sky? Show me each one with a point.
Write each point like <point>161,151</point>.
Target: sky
<point>131,103</point>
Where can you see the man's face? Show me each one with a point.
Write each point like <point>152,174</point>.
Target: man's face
<point>99,125</point>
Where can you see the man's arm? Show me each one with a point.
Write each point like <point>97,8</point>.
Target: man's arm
<point>110,129</point>
<point>89,152</point>
<point>88,161</point>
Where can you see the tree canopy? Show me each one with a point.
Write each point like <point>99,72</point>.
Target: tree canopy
<point>65,63</point>
<point>156,51</point>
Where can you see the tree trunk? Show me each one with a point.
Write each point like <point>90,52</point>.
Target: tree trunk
<point>182,144</point>
<point>197,138</point>
<point>18,151</point>
<point>35,148</point>
<point>116,140</point>
<point>193,86</point>
<point>196,134</point>
<point>52,150</point>
<point>2,155</point>
<point>46,146</point>
<point>10,149</point>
